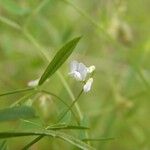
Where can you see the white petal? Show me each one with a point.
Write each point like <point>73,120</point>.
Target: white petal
<point>88,84</point>
<point>77,76</point>
<point>73,66</point>
<point>82,69</point>
<point>91,69</point>
<point>33,83</point>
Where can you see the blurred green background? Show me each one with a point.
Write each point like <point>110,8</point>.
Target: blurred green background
<point>116,39</point>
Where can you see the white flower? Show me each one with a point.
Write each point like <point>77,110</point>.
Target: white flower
<point>78,70</point>
<point>33,83</point>
<point>88,84</point>
<point>91,69</point>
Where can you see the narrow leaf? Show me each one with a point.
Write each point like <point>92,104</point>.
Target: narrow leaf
<point>16,91</point>
<point>14,113</point>
<point>59,59</point>
<point>67,127</point>
<point>70,139</point>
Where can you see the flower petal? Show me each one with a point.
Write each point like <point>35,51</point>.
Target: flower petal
<point>88,84</point>
<point>77,76</point>
<point>73,66</point>
<point>82,69</point>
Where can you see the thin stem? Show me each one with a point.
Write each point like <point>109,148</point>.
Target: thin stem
<point>16,91</point>
<point>52,94</point>
<point>40,6</point>
<point>33,123</point>
<point>36,44</point>
<point>94,23</point>
<point>34,12</point>
<point>22,99</point>
<point>71,94</point>
<point>10,23</point>
<point>62,79</point>
<point>73,103</point>
<point>85,15</point>
<point>140,73</point>
<point>41,136</point>
<point>45,58</point>
<point>32,142</point>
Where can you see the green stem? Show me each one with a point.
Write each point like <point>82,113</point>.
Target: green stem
<point>62,79</point>
<point>140,74</point>
<point>10,23</point>
<point>16,91</point>
<point>94,23</point>
<point>52,94</point>
<point>45,57</point>
<point>34,12</point>
<point>70,94</point>
<point>23,99</point>
<point>85,15</point>
<point>73,103</point>
<point>41,136</point>
<point>32,142</point>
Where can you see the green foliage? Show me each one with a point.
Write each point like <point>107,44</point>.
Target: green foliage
<point>56,134</point>
<point>14,113</point>
<point>114,114</point>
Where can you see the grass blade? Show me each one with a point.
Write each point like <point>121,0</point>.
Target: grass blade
<point>59,59</point>
<point>16,91</point>
<point>67,127</point>
<point>70,139</point>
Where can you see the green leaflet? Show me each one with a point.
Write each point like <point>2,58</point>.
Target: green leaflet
<point>14,113</point>
<point>59,59</point>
